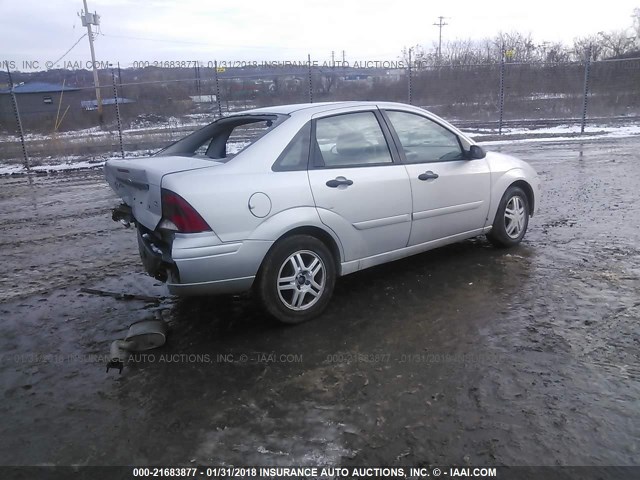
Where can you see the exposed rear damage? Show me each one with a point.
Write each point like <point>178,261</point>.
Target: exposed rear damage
<point>155,254</point>
<point>138,182</point>
<point>156,245</point>
<point>155,251</point>
<point>155,212</point>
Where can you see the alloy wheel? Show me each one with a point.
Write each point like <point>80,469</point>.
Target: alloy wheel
<point>301,280</point>
<point>514,217</point>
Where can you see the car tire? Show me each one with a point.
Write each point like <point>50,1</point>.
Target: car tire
<point>511,220</point>
<point>296,280</point>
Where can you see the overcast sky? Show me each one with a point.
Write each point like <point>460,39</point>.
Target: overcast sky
<point>284,30</point>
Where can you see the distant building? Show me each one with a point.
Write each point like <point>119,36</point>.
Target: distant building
<point>202,98</point>
<point>90,105</point>
<point>38,104</point>
<point>42,105</point>
<point>358,77</point>
<point>395,74</point>
<point>39,88</point>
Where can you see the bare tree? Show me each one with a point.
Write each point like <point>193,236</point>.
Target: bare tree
<point>488,50</point>
<point>581,44</point>
<point>617,42</point>
<point>555,52</point>
<point>327,82</point>
<point>636,22</point>
<point>419,57</point>
<point>517,46</point>
<point>461,52</point>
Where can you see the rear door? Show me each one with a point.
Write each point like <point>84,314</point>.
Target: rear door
<point>450,193</point>
<point>361,190</point>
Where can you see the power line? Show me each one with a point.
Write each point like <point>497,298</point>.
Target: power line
<point>152,39</point>
<point>185,42</point>
<point>72,47</point>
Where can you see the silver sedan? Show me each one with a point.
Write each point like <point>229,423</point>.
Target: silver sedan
<point>283,200</point>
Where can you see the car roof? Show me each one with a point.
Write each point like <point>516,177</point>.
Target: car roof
<point>313,108</point>
<point>306,111</point>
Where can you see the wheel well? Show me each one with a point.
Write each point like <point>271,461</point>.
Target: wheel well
<point>321,235</point>
<point>316,232</point>
<point>528,192</point>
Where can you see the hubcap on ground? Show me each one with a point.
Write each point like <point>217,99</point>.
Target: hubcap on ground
<point>514,217</point>
<point>301,280</point>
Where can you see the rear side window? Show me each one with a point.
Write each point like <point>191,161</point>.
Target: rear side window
<point>296,155</point>
<point>353,139</point>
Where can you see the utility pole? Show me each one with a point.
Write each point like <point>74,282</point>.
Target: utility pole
<point>441,23</point>
<point>196,71</point>
<point>310,80</point>
<point>409,79</point>
<point>120,81</point>
<point>333,59</point>
<point>585,96</point>
<point>89,19</point>
<point>14,103</point>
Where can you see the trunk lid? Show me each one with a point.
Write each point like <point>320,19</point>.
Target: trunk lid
<point>138,182</point>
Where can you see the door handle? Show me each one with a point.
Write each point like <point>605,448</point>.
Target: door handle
<point>335,183</point>
<point>428,175</point>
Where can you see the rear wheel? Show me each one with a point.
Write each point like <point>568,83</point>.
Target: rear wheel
<point>297,278</point>
<point>512,219</point>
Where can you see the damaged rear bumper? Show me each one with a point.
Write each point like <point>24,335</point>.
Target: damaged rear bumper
<point>156,257</point>
<point>200,264</point>
<point>211,267</point>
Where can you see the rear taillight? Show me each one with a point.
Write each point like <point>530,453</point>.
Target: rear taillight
<point>177,210</point>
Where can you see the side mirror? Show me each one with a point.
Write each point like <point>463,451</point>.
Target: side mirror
<point>476,152</point>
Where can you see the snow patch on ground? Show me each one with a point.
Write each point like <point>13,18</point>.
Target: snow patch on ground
<point>555,133</point>
<point>69,162</point>
<point>139,127</point>
<point>79,165</point>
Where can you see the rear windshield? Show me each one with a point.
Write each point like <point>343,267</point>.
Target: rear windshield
<point>225,138</point>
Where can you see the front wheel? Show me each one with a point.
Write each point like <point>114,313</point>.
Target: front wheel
<point>297,278</point>
<point>512,219</point>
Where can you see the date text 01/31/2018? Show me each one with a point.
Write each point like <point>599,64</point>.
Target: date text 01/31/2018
<point>314,472</point>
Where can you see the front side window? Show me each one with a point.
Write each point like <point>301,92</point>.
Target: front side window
<point>354,139</point>
<point>423,140</point>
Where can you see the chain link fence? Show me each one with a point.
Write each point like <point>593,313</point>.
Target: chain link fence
<point>144,108</point>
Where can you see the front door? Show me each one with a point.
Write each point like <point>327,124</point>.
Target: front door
<point>450,193</point>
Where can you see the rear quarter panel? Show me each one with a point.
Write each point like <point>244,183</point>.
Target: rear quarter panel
<point>222,198</point>
<point>221,195</point>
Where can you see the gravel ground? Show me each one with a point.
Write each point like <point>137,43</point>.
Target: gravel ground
<point>463,355</point>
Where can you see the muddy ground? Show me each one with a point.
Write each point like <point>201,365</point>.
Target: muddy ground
<point>464,355</point>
